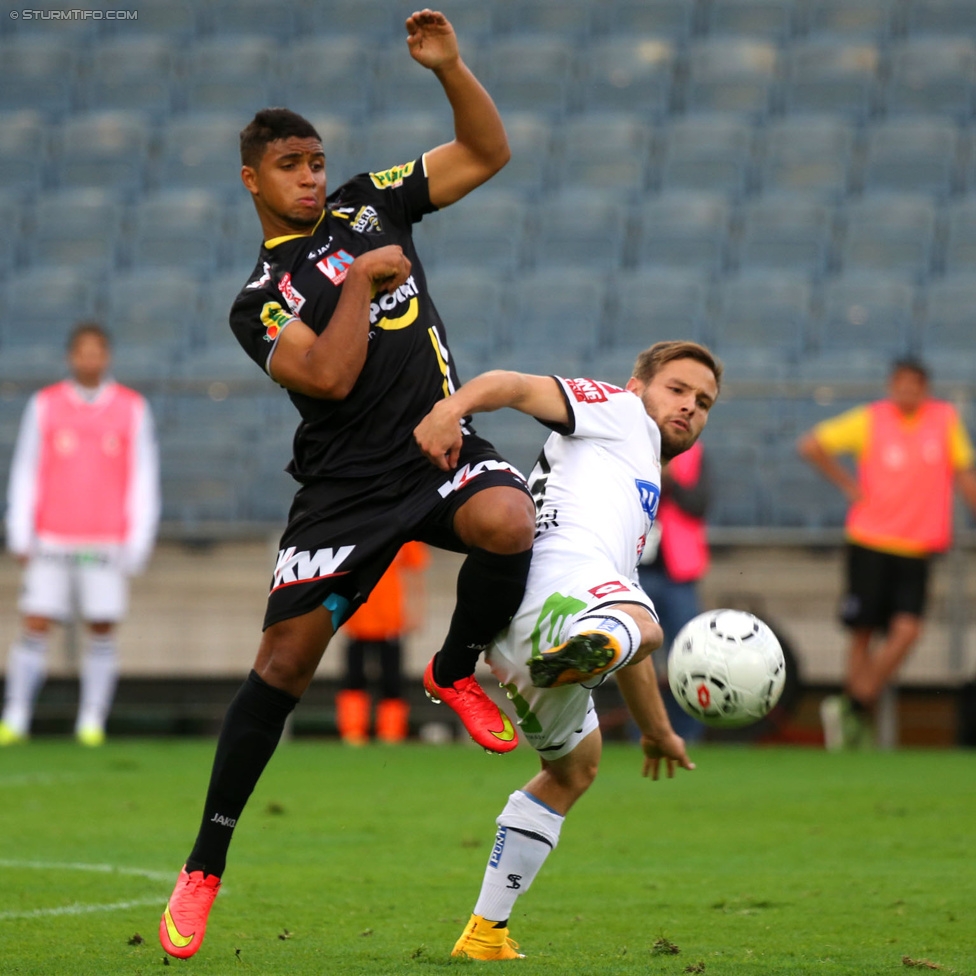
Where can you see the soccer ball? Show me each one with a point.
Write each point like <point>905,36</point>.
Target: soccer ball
<point>726,668</point>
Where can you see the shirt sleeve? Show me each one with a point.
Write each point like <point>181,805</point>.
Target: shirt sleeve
<point>401,193</point>
<point>22,491</point>
<point>598,410</point>
<point>257,319</point>
<point>961,452</point>
<point>143,504</point>
<point>846,433</point>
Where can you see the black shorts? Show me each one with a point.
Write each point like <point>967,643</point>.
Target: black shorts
<point>343,533</point>
<point>880,584</point>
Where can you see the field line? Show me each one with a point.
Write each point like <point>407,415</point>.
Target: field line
<point>79,909</point>
<point>95,868</point>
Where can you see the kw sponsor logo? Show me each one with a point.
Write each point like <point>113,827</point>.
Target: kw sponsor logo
<point>382,305</point>
<point>496,851</point>
<point>367,221</point>
<point>219,818</point>
<point>650,495</point>
<point>393,177</point>
<point>336,266</point>
<point>290,293</point>
<point>274,318</point>
<point>302,567</point>
<point>471,471</point>
<point>263,280</point>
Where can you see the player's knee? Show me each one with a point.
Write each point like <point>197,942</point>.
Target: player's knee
<point>507,525</point>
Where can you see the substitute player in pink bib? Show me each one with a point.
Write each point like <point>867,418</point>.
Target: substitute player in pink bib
<point>83,507</point>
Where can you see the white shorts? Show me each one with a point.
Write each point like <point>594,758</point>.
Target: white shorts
<point>555,720</point>
<point>57,580</point>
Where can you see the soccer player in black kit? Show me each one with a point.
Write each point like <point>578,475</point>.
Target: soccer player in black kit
<point>337,312</point>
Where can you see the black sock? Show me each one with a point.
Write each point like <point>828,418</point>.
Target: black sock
<point>250,733</point>
<point>489,591</point>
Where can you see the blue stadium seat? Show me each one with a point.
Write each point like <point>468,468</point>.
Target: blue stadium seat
<point>949,325</point>
<point>934,73</point>
<point>375,20</point>
<point>202,474</point>
<point>807,152</point>
<point>740,493</point>
<point>530,141</point>
<point>216,353</point>
<point>177,229</point>
<point>399,137</point>
<point>831,73</point>
<point>786,230</point>
<point>874,18</point>
<point>60,296</point>
<point>201,150</point>
<point>470,301</point>
<point>402,85</point>
<point>799,496</point>
<point>674,18</point>
<point>960,243</point>
<point>748,420</point>
<point>179,19</point>
<point>243,234</point>
<point>558,308</point>
<point>528,73</point>
<point>633,74</point>
<point>152,308</point>
<point>650,304</point>
<point>572,18</point>
<point>254,17</point>
<point>329,74</point>
<point>889,231</point>
<point>582,227</point>
<point>707,151</point>
<point>604,150</point>
<point>941,16</point>
<point>231,74</point>
<point>80,227</point>
<point>109,149</point>
<point>912,153</point>
<point>23,149</point>
<point>136,72</point>
<point>773,19</point>
<point>12,219</point>
<point>485,229</point>
<point>731,74</point>
<point>684,228</point>
<point>39,72</point>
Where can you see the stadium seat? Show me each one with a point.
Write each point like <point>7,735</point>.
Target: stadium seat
<point>773,19</point>
<point>707,151</point>
<point>12,219</point>
<point>786,230</point>
<point>329,74</point>
<point>177,229</point>
<point>179,19</point>
<point>231,74</point>
<point>960,243</point>
<point>918,153</point>
<point>932,74</point>
<point>530,141</point>
<point>674,18</point>
<point>581,227</point>
<point>39,72</point>
<point>759,421</point>
<point>373,19</point>
<point>402,85</point>
<point>941,16</point>
<point>949,325</point>
<point>528,73</point>
<point>739,497</point>
<point>889,231</point>
<point>485,229</point>
<point>731,74</point>
<point>60,296</point>
<point>571,18</point>
<point>202,475</point>
<point>806,152</point>
<point>23,149</point>
<point>153,309</point>
<point>852,17</point>
<point>831,73</point>
<point>650,304</point>
<point>470,303</point>
<point>200,150</point>
<point>107,149</point>
<point>558,308</point>
<point>603,149</point>
<point>243,234</point>
<point>799,496</point>
<point>400,137</point>
<point>132,73</point>
<point>216,352</point>
<point>80,227</point>
<point>683,228</point>
<point>633,74</point>
<point>254,17</point>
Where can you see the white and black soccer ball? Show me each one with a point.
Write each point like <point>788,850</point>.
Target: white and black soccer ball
<point>726,668</point>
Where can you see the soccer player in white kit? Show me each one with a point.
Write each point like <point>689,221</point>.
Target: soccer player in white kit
<point>82,512</point>
<point>596,486</point>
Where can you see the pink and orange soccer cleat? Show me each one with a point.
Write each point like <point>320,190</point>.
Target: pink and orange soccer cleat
<point>184,921</point>
<point>484,721</point>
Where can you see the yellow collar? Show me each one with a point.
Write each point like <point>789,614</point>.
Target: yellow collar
<point>275,241</point>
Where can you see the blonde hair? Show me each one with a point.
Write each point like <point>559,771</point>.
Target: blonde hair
<point>650,361</point>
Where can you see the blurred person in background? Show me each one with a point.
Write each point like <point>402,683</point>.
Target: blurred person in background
<point>910,449</point>
<point>376,630</point>
<point>675,559</point>
<point>83,507</point>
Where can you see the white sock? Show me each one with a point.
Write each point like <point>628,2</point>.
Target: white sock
<point>99,675</point>
<point>527,831</point>
<point>26,671</point>
<point>619,625</point>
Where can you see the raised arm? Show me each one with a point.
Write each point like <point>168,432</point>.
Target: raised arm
<point>480,146</point>
<point>439,433</point>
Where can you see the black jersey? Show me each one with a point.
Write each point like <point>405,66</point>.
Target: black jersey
<point>408,366</point>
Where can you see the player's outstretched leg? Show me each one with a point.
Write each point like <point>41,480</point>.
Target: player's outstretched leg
<point>483,720</point>
<point>184,921</point>
<point>597,645</point>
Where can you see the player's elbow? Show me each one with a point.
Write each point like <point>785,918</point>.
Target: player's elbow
<point>806,447</point>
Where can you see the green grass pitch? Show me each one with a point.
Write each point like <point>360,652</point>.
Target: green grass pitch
<point>772,861</point>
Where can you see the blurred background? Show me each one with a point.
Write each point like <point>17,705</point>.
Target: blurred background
<point>792,182</point>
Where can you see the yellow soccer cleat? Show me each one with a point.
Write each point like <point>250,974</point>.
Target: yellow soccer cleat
<point>9,736</point>
<point>482,939</point>
<point>583,657</point>
<point>91,736</point>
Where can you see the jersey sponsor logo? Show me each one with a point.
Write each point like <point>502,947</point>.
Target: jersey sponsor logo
<point>290,293</point>
<point>263,280</point>
<point>367,221</point>
<point>650,495</point>
<point>317,252</point>
<point>382,305</point>
<point>274,318</point>
<point>393,177</point>
<point>219,818</point>
<point>335,266</point>
<point>471,471</point>
<point>586,391</point>
<point>605,589</point>
<point>303,567</point>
